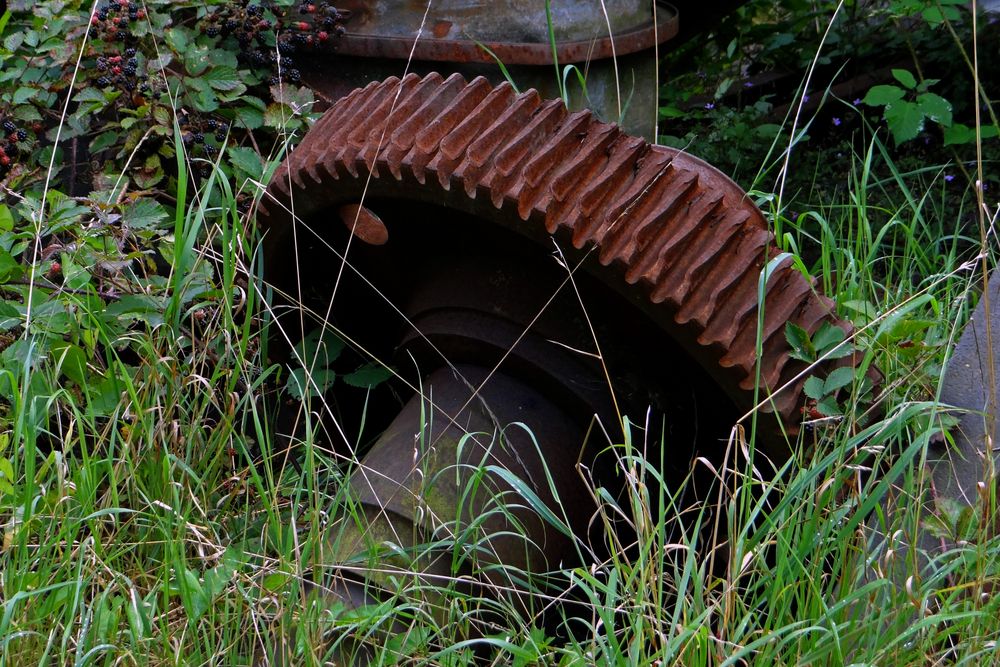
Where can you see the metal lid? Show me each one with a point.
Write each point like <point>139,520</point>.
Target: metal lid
<point>516,31</point>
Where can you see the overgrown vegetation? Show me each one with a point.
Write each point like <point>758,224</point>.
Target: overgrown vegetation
<point>146,518</point>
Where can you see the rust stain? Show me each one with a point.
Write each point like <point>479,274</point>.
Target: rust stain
<point>366,225</point>
<point>441,29</point>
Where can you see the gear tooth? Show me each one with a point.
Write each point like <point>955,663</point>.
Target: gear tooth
<point>511,159</point>
<point>427,143</point>
<point>478,156</point>
<point>532,192</point>
<point>405,135</point>
<point>628,228</point>
<point>619,171</point>
<point>670,258</point>
<point>782,291</point>
<point>455,143</point>
<point>716,273</point>
<point>577,176</point>
<point>729,315</point>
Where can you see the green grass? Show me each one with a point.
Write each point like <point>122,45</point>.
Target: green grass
<point>153,523</point>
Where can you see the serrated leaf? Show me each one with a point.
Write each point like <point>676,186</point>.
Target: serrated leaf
<point>250,118</point>
<point>222,77</point>
<point>302,385</point>
<point>246,160</point>
<point>828,406</point>
<point>905,78</point>
<point>277,115</point>
<point>936,108</point>
<point>144,213</point>
<point>320,347</point>
<point>905,120</point>
<point>103,141</point>
<point>826,337</point>
<point>23,94</point>
<point>838,379</point>
<point>798,339</point>
<point>813,388</point>
<point>882,95</point>
<point>368,376</point>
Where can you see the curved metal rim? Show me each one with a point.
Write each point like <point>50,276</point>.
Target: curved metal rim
<point>514,53</point>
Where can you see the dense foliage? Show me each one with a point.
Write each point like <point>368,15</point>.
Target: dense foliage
<point>149,511</point>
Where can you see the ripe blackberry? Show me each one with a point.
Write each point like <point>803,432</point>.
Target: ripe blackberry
<point>294,75</point>
<point>133,62</point>
<point>211,124</point>
<point>129,52</point>
<point>220,136</point>
<point>8,126</point>
<point>199,138</point>
<point>22,135</point>
<point>103,82</point>
<point>102,64</point>
<point>212,31</point>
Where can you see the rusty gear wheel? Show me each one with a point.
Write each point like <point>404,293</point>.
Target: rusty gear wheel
<point>663,224</point>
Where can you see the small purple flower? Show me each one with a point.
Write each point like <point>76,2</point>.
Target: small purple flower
<point>748,84</point>
<point>709,105</point>
<point>805,98</point>
<point>836,122</point>
<point>986,186</point>
<point>857,101</point>
<point>949,178</point>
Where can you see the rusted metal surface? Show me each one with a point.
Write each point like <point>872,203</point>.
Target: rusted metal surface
<point>663,224</point>
<point>443,40</point>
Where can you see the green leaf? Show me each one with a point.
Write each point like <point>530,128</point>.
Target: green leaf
<point>6,219</point>
<point>278,115</point>
<point>798,339</point>
<point>905,120</point>
<point>826,337</point>
<point>813,388</point>
<point>368,376</point>
<point>71,361</point>
<point>828,406</point>
<point>300,387</point>
<point>222,78</point>
<point>320,346</point>
<point>838,379</point>
<point>103,141</point>
<point>936,108</point>
<point>905,78</point>
<point>250,118</point>
<point>9,268</point>
<point>144,213</point>
<point>23,94</point>
<point>881,95</point>
<point>959,134</point>
<point>246,160</point>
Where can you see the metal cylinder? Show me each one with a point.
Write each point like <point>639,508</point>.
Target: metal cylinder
<point>458,486</point>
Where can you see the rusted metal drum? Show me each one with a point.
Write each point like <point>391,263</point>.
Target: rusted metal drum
<point>600,55</point>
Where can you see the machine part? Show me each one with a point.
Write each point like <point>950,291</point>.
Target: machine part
<point>670,233</point>
<point>614,53</point>
<point>515,31</point>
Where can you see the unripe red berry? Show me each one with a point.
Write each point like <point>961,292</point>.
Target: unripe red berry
<point>323,36</point>
<point>55,269</point>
